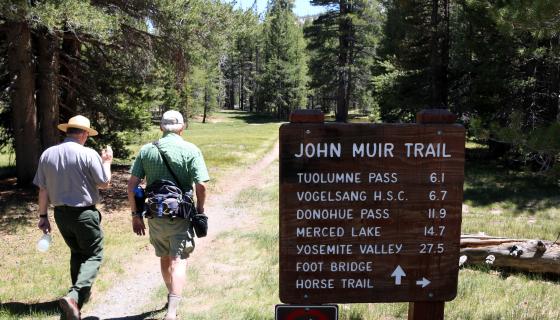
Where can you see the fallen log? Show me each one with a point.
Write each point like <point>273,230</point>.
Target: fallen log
<point>526,255</point>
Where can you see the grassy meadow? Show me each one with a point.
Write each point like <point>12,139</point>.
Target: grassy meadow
<point>7,161</point>
<point>250,286</point>
<point>239,281</point>
<point>30,282</point>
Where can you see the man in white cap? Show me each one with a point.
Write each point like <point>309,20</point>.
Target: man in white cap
<point>68,177</point>
<point>171,237</point>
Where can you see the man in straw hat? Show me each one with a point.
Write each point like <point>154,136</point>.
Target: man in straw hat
<point>172,237</point>
<point>68,177</point>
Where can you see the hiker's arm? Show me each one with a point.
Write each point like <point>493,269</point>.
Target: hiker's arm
<point>106,160</point>
<point>44,223</point>
<point>200,189</point>
<point>132,183</point>
<point>137,222</point>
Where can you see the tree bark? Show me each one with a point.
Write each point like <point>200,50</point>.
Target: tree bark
<point>257,105</point>
<point>47,88</point>
<point>241,91</point>
<point>558,97</point>
<point>180,80</point>
<point>557,86</point>
<point>206,103</point>
<point>345,33</point>
<point>230,98</point>
<point>70,74</point>
<point>439,52</point>
<point>22,95</point>
<point>526,255</point>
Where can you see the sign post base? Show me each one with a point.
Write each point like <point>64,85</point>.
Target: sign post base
<point>305,312</point>
<point>430,310</point>
<point>425,310</point>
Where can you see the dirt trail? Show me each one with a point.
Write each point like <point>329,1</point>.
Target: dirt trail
<point>128,297</point>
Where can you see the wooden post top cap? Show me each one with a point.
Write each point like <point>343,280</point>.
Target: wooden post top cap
<point>435,116</point>
<point>307,115</point>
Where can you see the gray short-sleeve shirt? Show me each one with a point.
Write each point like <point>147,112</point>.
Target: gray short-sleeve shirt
<point>71,172</point>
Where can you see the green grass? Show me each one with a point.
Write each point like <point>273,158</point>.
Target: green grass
<point>507,203</point>
<point>6,159</point>
<point>230,140</point>
<point>7,162</point>
<point>247,287</point>
<point>486,294</point>
<point>31,281</point>
<point>246,259</point>
<point>239,280</point>
<point>34,280</point>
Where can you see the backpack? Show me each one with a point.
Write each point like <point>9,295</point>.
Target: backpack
<point>165,198</point>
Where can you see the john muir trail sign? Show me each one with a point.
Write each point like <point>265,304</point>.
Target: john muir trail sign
<point>370,213</point>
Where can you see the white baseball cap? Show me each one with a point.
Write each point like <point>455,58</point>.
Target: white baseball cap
<point>172,117</point>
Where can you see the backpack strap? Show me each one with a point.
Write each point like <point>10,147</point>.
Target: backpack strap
<point>156,143</point>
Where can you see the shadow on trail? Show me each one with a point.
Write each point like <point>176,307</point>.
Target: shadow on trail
<point>505,272</point>
<point>18,205</point>
<point>115,197</point>
<point>52,308</point>
<point>254,118</point>
<point>29,309</point>
<point>148,315</point>
<point>488,182</point>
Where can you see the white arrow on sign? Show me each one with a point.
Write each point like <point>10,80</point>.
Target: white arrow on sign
<point>398,274</point>
<point>424,282</point>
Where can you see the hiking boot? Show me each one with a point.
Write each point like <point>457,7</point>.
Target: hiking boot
<point>70,308</point>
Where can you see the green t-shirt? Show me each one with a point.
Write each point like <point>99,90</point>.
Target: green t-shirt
<point>184,158</point>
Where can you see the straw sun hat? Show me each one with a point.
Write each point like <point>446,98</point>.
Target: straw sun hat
<point>79,122</point>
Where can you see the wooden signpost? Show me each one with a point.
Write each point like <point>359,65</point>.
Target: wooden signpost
<point>371,212</point>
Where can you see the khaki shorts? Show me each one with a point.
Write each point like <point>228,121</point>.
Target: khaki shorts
<point>171,237</point>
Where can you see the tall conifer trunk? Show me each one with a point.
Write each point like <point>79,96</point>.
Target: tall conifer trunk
<point>558,95</point>
<point>206,102</point>
<point>439,52</point>
<point>22,95</point>
<point>556,85</point>
<point>181,69</point>
<point>256,88</point>
<point>241,91</point>
<point>70,74</point>
<point>345,30</point>
<point>47,88</point>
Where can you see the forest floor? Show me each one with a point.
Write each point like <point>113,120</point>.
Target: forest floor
<point>130,296</point>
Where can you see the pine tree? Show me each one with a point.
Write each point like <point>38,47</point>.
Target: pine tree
<point>282,82</point>
<point>415,58</point>
<point>113,61</point>
<point>344,39</point>
<point>241,64</point>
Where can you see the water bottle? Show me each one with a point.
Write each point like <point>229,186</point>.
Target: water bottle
<point>139,199</point>
<point>44,243</point>
<point>173,206</point>
<point>159,207</point>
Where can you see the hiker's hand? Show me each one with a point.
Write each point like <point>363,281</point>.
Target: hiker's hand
<point>44,225</point>
<point>138,226</point>
<point>107,155</point>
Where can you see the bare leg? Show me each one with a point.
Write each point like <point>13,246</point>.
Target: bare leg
<point>164,263</point>
<point>174,272</point>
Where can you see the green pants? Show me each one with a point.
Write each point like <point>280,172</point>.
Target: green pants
<point>81,230</point>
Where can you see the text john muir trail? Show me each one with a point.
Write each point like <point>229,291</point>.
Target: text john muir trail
<point>370,213</point>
